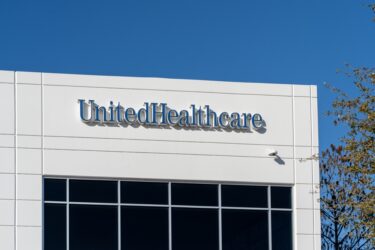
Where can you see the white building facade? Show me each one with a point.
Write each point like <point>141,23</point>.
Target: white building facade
<point>253,153</point>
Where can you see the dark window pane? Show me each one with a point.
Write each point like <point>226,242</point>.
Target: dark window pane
<point>244,196</point>
<point>281,197</point>
<point>54,189</point>
<point>54,227</point>
<point>195,229</point>
<point>281,230</point>
<point>244,229</point>
<point>194,194</point>
<point>93,191</point>
<point>93,227</point>
<point>144,228</point>
<point>144,192</point>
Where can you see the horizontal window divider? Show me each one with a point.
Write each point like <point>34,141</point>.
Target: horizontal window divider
<point>92,203</point>
<point>166,205</point>
<point>246,208</point>
<point>282,209</point>
<point>142,205</point>
<point>192,206</point>
<point>129,204</point>
<point>56,202</point>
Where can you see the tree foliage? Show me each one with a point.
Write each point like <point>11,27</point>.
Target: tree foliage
<point>348,170</point>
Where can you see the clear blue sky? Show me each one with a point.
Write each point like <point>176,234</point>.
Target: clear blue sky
<point>291,41</point>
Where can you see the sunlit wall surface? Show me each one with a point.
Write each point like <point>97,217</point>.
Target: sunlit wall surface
<point>66,183</point>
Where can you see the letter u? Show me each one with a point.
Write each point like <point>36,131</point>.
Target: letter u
<point>83,110</point>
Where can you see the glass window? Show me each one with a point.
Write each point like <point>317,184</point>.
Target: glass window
<point>93,191</point>
<point>245,229</point>
<point>54,189</point>
<point>143,219</point>
<point>243,196</point>
<point>144,192</point>
<point>93,227</point>
<point>281,197</point>
<point>195,229</point>
<point>194,194</point>
<point>281,230</point>
<point>144,228</point>
<point>54,226</point>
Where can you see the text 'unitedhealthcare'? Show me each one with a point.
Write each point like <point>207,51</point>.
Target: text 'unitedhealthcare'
<point>160,114</point>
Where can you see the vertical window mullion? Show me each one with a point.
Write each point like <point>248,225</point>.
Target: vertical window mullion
<point>67,214</point>
<point>220,219</point>
<point>170,215</point>
<point>119,214</point>
<point>269,218</point>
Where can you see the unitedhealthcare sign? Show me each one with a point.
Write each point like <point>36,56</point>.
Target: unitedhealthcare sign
<point>160,114</point>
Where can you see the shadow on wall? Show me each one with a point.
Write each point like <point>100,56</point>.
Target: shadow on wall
<point>279,160</point>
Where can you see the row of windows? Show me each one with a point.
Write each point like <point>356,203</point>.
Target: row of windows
<point>86,219</point>
<point>157,193</point>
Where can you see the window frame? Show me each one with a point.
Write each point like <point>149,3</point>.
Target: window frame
<point>220,208</point>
